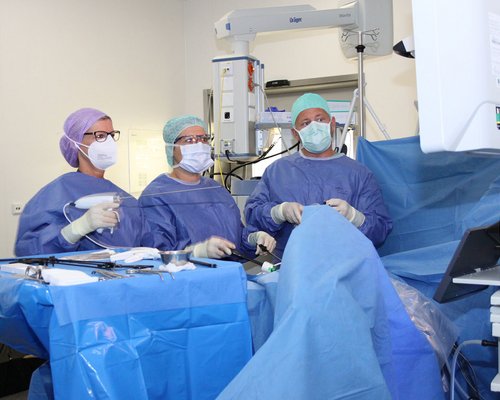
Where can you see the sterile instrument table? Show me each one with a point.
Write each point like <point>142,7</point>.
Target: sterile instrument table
<point>133,338</point>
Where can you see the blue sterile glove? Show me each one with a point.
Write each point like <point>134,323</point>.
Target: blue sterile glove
<point>344,208</point>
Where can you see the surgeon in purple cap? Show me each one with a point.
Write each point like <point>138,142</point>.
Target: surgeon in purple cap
<point>51,222</point>
<point>316,174</point>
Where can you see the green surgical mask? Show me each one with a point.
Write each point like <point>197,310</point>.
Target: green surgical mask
<point>316,137</point>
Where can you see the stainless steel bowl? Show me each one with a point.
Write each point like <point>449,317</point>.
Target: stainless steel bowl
<point>177,257</point>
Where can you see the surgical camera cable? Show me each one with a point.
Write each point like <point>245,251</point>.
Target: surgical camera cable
<point>457,353</point>
<point>263,158</point>
<point>110,247</point>
<point>96,242</point>
<point>469,376</point>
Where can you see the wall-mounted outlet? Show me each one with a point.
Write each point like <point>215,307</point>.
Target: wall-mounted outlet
<point>227,68</point>
<point>17,208</point>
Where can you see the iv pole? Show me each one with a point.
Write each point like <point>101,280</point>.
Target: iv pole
<point>359,98</point>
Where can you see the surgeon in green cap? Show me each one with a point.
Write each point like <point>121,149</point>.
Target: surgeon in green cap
<point>186,210</point>
<point>316,174</point>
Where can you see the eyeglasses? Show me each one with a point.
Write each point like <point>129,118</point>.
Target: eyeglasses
<point>101,136</point>
<point>193,139</point>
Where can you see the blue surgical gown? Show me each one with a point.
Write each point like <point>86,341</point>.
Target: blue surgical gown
<point>313,181</point>
<point>180,214</point>
<point>41,222</point>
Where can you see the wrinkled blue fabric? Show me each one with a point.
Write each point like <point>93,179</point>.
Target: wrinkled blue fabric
<point>138,338</point>
<point>340,329</point>
<point>261,303</point>
<point>427,195</point>
<point>42,219</point>
<point>41,384</point>
<point>313,181</point>
<point>180,214</point>
<point>433,199</point>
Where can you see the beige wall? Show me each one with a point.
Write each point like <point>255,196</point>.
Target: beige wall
<point>144,61</point>
<point>125,57</point>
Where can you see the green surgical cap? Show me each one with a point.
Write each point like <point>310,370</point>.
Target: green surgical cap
<point>307,101</point>
<point>174,128</point>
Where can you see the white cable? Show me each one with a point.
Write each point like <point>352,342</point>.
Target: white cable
<point>104,246</point>
<point>459,387</point>
<point>171,192</point>
<point>274,120</point>
<point>454,362</point>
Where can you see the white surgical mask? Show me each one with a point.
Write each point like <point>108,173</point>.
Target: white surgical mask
<point>102,155</point>
<point>196,158</point>
<point>316,137</point>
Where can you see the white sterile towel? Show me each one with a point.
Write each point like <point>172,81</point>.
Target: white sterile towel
<point>171,267</point>
<point>64,277</point>
<point>14,268</point>
<point>136,254</point>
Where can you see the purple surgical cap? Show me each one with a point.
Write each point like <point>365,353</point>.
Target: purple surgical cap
<point>74,127</point>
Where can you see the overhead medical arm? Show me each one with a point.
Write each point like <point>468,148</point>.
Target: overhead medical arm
<point>375,16</point>
<point>241,26</point>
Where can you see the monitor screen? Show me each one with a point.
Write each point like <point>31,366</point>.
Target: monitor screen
<point>457,55</point>
<point>479,250</point>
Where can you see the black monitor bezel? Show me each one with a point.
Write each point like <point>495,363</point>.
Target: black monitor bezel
<point>479,249</point>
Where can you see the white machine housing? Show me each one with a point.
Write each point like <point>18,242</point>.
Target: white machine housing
<point>237,99</point>
<point>457,54</point>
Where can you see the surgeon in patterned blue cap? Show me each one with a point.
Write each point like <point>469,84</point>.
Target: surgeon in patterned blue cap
<point>186,210</point>
<point>316,174</point>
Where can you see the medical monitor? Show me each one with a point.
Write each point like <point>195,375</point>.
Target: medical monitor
<point>474,263</point>
<point>457,55</point>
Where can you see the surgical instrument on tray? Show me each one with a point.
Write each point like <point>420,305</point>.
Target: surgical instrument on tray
<point>106,274</point>
<point>203,263</point>
<point>46,261</point>
<point>149,271</point>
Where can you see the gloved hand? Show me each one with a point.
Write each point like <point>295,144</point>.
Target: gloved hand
<point>136,254</point>
<point>213,247</point>
<point>287,211</point>
<point>263,238</point>
<point>99,216</point>
<point>344,208</point>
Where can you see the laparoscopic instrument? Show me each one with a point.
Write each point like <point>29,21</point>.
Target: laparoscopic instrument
<point>46,261</point>
<point>265,266</point>
<point>91,200</point>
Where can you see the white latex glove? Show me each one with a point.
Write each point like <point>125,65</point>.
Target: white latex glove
<point>213,247</point>
<point>99,216</point>
<point>262,238</point>
<point>344,208</point>
<point>136,254</point>
<point>287,211</point>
